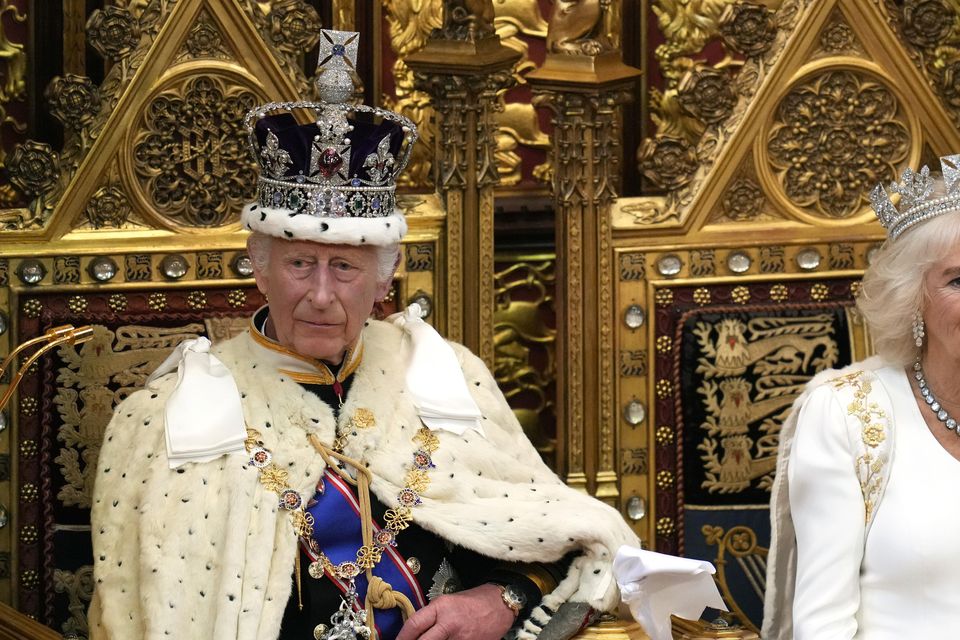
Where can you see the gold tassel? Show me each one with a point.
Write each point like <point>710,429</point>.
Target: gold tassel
<point>296,571</point>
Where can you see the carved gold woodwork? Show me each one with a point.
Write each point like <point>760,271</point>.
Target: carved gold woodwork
<point>462,68</point>
<point>244,54</point>
<point>525,345</point>
<point>188,165</point>
<point>585,94</point>
<point>409,25</point>
<point>12,57</point>
<point>579,25</point>
<point>929,30</point>
<point>519,23</point>
<point>13,67</point>
<point>732,153</point>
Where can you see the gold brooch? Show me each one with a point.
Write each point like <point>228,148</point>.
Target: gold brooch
<point>363,419</point>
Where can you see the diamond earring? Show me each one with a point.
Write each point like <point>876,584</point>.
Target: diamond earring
<point>918,330</point>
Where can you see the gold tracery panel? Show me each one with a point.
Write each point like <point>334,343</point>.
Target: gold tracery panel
<point>185,158</point>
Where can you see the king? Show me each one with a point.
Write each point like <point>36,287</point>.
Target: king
<point>325,474</point>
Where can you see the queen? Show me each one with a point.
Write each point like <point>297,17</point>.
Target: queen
<point>864,534</point>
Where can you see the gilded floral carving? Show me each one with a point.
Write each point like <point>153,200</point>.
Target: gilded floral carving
<point>73,100</point>
<point>741,40</point>
<point>743,200</point>
<point>189,152</point>
<point>836,135</point>
<point>205,40</point>
<point>707,94</point>
<point>113,32</point>
<point>108,208</point>
<point>34,167</point>
<point>294,26</point>
<point>837,38</point>
<point>950,83</point>
<point>927,23</point>
<point>933,28</point>
<point>748,28</point>
<point>668,162</point>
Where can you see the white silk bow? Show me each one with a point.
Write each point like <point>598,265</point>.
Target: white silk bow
<point>203,416</point>
<point>434,377</point>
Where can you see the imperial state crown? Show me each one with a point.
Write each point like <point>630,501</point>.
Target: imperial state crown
<point>332,179</point>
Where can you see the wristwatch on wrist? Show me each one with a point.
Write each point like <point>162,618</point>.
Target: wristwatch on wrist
<point>513,598</point>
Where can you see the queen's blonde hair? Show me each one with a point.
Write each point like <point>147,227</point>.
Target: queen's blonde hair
<point>894,290</point>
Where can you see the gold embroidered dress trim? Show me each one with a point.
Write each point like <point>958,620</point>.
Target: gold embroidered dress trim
<point>872,423</point>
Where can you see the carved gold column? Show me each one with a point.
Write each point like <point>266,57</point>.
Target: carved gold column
<point>585,93</point>
<point>345,15</point>
<point>462,67</point>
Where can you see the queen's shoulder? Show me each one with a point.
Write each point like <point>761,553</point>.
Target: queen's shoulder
<point>861,376</point>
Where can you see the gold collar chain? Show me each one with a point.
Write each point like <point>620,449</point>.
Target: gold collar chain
<point>396,519</point>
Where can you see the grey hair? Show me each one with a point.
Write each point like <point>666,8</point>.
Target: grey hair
<point>388,256</point>
<point>894,290</point>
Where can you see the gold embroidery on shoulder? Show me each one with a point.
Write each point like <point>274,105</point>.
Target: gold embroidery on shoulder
<point>873,422</point>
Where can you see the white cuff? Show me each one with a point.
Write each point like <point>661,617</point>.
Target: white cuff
<point>656,586</point>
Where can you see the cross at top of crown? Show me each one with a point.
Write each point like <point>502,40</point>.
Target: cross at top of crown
<point>337,64</point>
<point>338,49</point>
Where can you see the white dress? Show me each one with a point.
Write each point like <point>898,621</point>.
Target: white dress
<point>902,581</point>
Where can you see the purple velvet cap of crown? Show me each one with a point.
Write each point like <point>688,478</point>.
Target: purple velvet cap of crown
<point>298,140</point>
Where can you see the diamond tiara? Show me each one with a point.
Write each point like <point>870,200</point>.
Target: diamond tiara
<point>920,197</point>
<point>343,163</point>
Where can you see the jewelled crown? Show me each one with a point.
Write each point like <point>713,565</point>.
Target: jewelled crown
<point>921,197</point>
<point>334,178</point>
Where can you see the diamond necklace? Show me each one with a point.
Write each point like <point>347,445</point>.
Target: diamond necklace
<point>934,404</point>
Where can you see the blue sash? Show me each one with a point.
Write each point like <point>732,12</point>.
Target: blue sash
<point>336,514</point>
